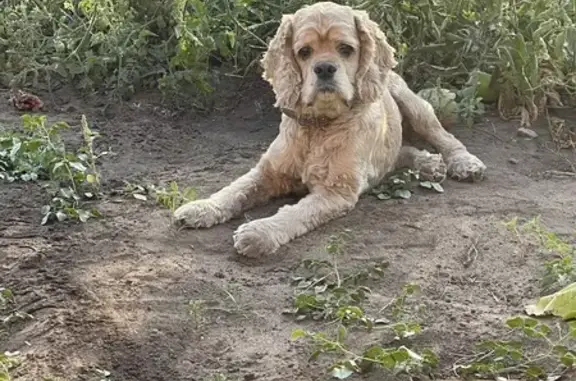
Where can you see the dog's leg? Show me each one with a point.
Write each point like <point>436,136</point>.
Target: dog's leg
<point>462,165</point>
<point>431,167</point>
<point>264,236</point>
<point>255,187</point>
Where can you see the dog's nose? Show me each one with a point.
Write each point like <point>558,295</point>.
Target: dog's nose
<point>325,70</point>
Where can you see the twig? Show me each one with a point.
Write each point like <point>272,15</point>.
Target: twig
<point>553,172</point>
<point>471,254</point>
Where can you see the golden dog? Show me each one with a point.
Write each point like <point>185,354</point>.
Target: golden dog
<point>343,108</point>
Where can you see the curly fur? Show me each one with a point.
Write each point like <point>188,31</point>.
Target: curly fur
<point>280,68</point>
<point>376,59</point>
<point>355,141</point>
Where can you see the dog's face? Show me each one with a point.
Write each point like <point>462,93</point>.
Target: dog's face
<point>326,47</point>
<point>326,57</point>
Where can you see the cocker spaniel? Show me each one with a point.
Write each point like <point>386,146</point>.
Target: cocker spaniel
<point>344,110</point>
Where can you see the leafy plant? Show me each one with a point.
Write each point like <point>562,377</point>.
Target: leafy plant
<point>559,271</point>
<point>561,303</point>
<point>519,55</point>
<point>173,197</point>
<point>323,292</point>
<point>39,154</point>
<point>541,354</point>
<point>8,362</point>
<point>6,297</point>
<point>401,183</point>
<point>399,360</point>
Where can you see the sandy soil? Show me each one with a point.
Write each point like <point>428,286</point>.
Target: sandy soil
<point>113,293</point>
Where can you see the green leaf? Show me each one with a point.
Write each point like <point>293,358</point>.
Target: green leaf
<point>342,334</point>
<point>402,193</point>
<point>297,333</point>
<point>45,218</point>
<point>383,196</point>
<point>61,216</point>
<point>515,322</point>
<point>91,179</point>
<point>84,215</point>
<point>437,187</point>
<point>534,372</point>
<point>78,166</point>
<point>426,184</point>
<point>341,372</point>
<point>561,303</point>
<point>568,359</point>
<point>572,327</point>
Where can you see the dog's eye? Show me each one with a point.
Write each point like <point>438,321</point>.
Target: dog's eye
<point>305,52</point>
<point>345,50</point>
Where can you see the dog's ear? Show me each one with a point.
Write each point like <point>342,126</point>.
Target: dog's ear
<point>376,58</point>
<point>280,67</point>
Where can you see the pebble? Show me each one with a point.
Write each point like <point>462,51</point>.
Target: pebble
<point>513,161</point>
<point>527,133</point>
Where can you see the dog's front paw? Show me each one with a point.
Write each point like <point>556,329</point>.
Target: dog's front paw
<point>432,168</point>
<point>255,239</point>
<point>463,166</point>
<point>199,214</point>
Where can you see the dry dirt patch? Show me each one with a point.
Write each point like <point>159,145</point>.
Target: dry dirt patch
<point>114,293</point>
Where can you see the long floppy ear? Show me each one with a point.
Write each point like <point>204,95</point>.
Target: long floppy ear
<point>280,67</point>
<point>376,58</point>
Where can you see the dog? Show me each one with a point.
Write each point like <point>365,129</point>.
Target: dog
<point>344,114</point>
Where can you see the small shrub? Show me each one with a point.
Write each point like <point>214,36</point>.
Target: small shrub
<point>39,154</point>
<point>540,352</point>
<point>519,55</point>
<point>324,292</point>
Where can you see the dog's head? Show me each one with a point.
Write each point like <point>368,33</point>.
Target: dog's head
<point>325,58</point>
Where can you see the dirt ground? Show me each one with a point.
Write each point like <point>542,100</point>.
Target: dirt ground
<point>113,294</point>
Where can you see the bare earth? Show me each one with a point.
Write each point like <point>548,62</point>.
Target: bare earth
<point>113,293</point>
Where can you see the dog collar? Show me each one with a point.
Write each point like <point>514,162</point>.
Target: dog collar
<point>321,121</point>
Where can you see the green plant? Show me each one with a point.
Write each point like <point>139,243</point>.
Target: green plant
<point>173,197</point>
<point>6,297</point>
<point>559,271</point>
<point>537,350</point>
<point>8,361</point>
<point>401,183</point>
<point>520,55</point>
<point>444,103</point>
<point>196,310</point>
<point>542,352</point>
<point>324,292</point>
<point>39,154</point>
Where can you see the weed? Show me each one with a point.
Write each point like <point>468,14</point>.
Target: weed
<point>170,197</point>
<point>200,310</point>
<point>139,192</point>
<point>39,154</point>
<point>539,350</point>
<point>196,310</point>
<point>173,197</point>
<point>558,272</point>
<point>323,292</point>
<point>543,352</point>
<point>401,183</point>
<point>6,297</point>
<point>8,361</point>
